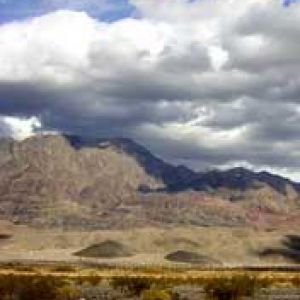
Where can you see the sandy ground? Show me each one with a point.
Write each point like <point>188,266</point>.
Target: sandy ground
<point>231,246</point>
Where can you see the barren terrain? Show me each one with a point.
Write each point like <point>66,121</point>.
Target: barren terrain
<point>149,246</point>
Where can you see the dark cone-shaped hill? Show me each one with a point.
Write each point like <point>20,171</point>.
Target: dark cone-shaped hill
<point>182,256</point>
<point>106,249</point>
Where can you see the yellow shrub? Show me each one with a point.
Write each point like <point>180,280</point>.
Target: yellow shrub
<point>68,292</point>
<point>155,294</point>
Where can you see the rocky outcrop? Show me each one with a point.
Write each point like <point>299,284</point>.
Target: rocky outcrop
<point>44,179</point>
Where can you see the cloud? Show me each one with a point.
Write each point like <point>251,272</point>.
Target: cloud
<point>19,128</point>
<point>205,83</point>
<point>5,130</point>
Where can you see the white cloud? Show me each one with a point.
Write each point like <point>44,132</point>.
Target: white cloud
<point>214,79</point>
<point>53,47</point>
<point>19,128</point>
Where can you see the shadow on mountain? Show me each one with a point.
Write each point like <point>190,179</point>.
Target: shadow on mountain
<point>181,178</point>
<point>175,178</point>
<point>290,249</point>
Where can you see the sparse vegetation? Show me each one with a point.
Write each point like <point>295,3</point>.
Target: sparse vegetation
<point>155,294</point>
<point>232,288</point>
<point>68,292</point>
<point>140,284</point>
<point>131,285</point>
<point>64,268</point>
<point>29,287</point>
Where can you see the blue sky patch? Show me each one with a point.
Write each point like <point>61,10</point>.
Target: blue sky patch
<point>289,2</point>
<point>106,10</point>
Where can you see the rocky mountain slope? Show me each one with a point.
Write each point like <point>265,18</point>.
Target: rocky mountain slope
<point>71,182</point>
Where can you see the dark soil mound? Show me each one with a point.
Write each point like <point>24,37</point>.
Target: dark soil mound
<point>5,236</point>
<point>106,249</point>
<point>191,257</point>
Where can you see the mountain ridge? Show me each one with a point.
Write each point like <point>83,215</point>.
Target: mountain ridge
<point>144,156</point>
<point>70,182</point>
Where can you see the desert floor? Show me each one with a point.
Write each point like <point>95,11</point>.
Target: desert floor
<point>229,246</point>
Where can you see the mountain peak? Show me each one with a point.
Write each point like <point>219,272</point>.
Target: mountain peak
<point>61,180</point>
<point>177,178</point>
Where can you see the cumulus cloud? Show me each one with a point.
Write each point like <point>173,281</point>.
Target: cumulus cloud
<point>206,83</point>
<point>19,128</point>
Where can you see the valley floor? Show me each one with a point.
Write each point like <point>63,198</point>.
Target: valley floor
<point>149,246</point>
<point>41,263</point>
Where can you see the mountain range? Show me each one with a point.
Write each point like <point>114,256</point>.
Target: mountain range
<point>86,183</point>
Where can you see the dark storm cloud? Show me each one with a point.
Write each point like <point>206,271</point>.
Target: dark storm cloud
<point>203,157</point>
<point>77,110</point>
<point>156,81</point>
<point>251,111</point>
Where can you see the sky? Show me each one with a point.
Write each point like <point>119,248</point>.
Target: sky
<point>106,10</point>
<point>205,83</point>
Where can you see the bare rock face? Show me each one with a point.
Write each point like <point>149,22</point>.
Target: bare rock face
<point>68,182</point>
<point>46,181</point>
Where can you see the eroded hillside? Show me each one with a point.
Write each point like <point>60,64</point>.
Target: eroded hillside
<point>59,181</point>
